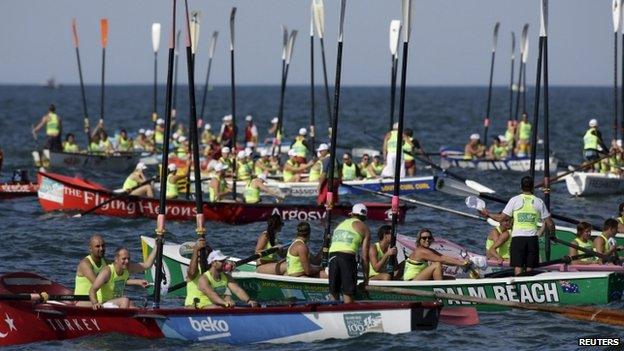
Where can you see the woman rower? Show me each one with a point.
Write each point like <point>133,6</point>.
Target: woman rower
<point>136,178</point>
<point>256,184</point>
<point>583,240</point>
<point>172,181</point>
<point>218,185</point>
<point>298,256</point>
<point>69,145</point>
<point>380,254</point>
<point>498,242</point>
<point>375,168</point>
<point>425,263</point>
<point>270,264</point>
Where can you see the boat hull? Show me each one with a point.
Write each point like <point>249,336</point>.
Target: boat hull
<point>591,184</point>
<point>14,190</point>
<point>111,163</point>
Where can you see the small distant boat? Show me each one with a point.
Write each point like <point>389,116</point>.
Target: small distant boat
<point>589,184</point>
<point>455,158</point>
<point>51,83</point>
<point>18,186</point>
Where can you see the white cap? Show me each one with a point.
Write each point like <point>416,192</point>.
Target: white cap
<point>225,150</point>
<point>220,167</point>
<point>175,136</point>
<point>248,118</point>
<point>160,121</point>
<point>593,122</point>
<point>140,166</point>
<point>619,142</point>
<point>216,255</point>
<point>241,154</point>
<point>248,151</point>
<point>149,132</point>
<point>395,125</point>
<point>141,131</point>
<point>172,167</point>
<point>359,209</point>
<point>264,153</point>
<point>227,118</point>
<point>262,176</point>
<point>474,136</point>
<point>207,126</point>
<point>250,144</point>
<point>274,120</point>
<point>182,138</point>
<point>291,153</point>
<point>502,138</point>
<point>303,131</point>
<point>323,147</point>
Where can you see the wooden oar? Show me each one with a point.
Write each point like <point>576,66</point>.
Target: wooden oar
<point>104,41</point>
<point>82,90</point>
<point>155,45</point>
<point>113,198</point>
<point>395,34</point>
<point>312,99</point>
<point>319,22</point>
<point>233,96</point>
<point>211,49</point>
<point>590,314</point>
<point>334,128</point>
<point>42,297</point>
<point>617,14</point>
<point>280,114</point>
<point>486,121</point>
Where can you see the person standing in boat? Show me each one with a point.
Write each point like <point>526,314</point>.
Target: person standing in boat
<point>227,132</point>
<point>69,145</point>
<point>389,151</point>
<point>300,146</point>
<point>299,262</point>
<point>524,136</point>
<point>255,186</point>
<point>425,263</point>
<point>270,264</point>
<point>498,242</point>
<point>380,254</point>
<point>131,184</point>
<point>251,131</point>
<point>349,236</point>
<point>593,144</point>
<point>526,210</point>
<point>271,131</point>
<point>410,146</point>
<point>159,134</point>
<point>54,129</point>
<point>474,149</point>
<point>109,286</point>
<point>510,135</point>
<point>218,185</point>
<point>605,242</point>
<point>323,180</point>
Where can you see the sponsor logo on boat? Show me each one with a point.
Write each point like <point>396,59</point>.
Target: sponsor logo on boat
<point>73,324</point>
<point>294,215</point>
<point>406,187</point>
<point>135,207</point>
<point>16,188</point>
<point>569,287</point>
<point>531,293</point>
<point>360,323</point>
<point>218,328</point>
<point>51,191</point>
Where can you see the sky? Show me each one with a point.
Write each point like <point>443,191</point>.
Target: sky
<point>450,43</point>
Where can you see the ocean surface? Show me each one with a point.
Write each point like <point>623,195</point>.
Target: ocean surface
<point>52,244</point>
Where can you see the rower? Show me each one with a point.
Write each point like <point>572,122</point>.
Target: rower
<point>94,145</point>
<point>498,241</point>
<point>227,132</point>
<point>226,158</point>
<point>159,133</point>
<point>425,263</point>
<point>172,181</point>
<point>125,143</point>
<point>583,239</point>
<point>300,146</point>
<point>105,144</point>
<point>474,149</point>
<point>409,147</point>
<point>69,145</point>
<point>322,152</point>
<point>131,184</point>
<point>510,134</point>
<point>183,148</point>
<point>255,185</point>
<point>389,150</point>
<point>262,164</point>
<point>108,287</point>
<point>243,171</point>
<point>524,136</point>
<point>620,218</point>
<point>592,143</point>
<point>53,126</point>
<point>270,264</point>
<point>374,168</point>
<point>149,142</point>
<point>349,171</point>
<point>272,130</point>
<point>347,238</point>
<point>218,185</point>
<point>293,170</point>
<point>299,262</point>
<point>251,131</point>
<point>498,150</point>
<point>380,254</point>
<point>323,181</point>
<point>605,242</point>
<point>207,137</point>
<point>363,165</point>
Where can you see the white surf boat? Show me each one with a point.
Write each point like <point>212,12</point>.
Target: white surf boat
<point>588,184</point>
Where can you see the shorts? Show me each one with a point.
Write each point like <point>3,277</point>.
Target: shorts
<point>409,164</point>
<point>321,199</point>
<point>524,251</point>
<point>342,273</point>
<point>591,155</point>
<point>53,143</point>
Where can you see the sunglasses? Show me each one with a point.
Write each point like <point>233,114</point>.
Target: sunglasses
<point>428,238</point>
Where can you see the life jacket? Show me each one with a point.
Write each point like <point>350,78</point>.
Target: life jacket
<point>114,287</point>
<point>72,148</point>
<point>413,268</point>
<point>82,284</point>
<point>345,238</point>
<point>503,250</point>
<point>252,194</point>
<point>590,140</point>
<point>53,126</point>
<point>524,131</point>
<point>526,217</point>
<point>371,271</point>
<point>294,262</point>
<point>349,172</point>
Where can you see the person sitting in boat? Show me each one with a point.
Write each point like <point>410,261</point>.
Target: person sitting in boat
<point>300,146</point>
<point>94,145</point>
<point>270,264</point>
<point>322,152</point>
<point>498,149</point>
<point>375,168</point>
<point>125,143</point>
<point>243,171</point>
<point>583,239</point>
<point>207,137</point>
<point>605,243</point>
<point>180,129</point>
<point>593,144</point>
<point>105,144</point>
<point>474,149</point>
<point>293,170</point>
<point>298,259</point>
<point>226,134</point>
<point>262,164</point>
<point>90,266</point>
<point>159,133</point>
<point>218,185</point>
<point>251,131</point>
<point>498,241</point>
<point>616,156</point>
<point>510,134</point>
<point>524,136</point>
<point>363,165</point>
<point>275,164</point>
<point>183,148</point>
<point>227,160</point>
<point>69,145</point>
<point>425,263</point>
<point>380,254</point>
<point>620,218</point>
<point>173,180</point>
<point>54,129</point>
<point>131,185</point>
<point>149,141</point>
<point>257,184</point>
<point>349,170</point>
<point>108,288</point>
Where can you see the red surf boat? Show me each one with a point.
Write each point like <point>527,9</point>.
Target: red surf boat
<point>63,193</point>
<point>12,190</point>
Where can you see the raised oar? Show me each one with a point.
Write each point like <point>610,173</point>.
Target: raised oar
<point>334,127</point>
<point>280,115</point>
<point>319,23</point>
<point>42,297</point>
<point>395,33</point>
<point>104,41</point>
<point>622,84</point>
<point>194,27</point>
<point>590,314</point>
<point>160,221</point>
<point>113,198</point>
<point>174,112</point>
<point>211,49</point>
<point>617,14</point>
<point>233,96</point>
<point>194,135</point>
<point>546,123</point>
<point>277,137</point>
<point>155,45</point>
<point>312,99</point>
<point>524,42</point>
<point>511,86</point>
<point>82,90</point>
<point>486,121</point>
<point>538,80</point>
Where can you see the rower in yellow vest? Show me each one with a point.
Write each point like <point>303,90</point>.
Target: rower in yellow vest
<point>218,185</point>
<point>159,132</point>
<point>69,145</point>
<point>380,254</point>
<point>109,286</point>
<point>207,137</point>
<point>375,168</point>
<point>183,148</point>
<point>131,184</point>
<point>498,242</point>
<point>425,263</point>
<point>299,262</point>
<point>254,186</point>
<point>227,160</point>
<point>270,264</point>
<point>605,243</point>
<point>243,171</point>
<point>363,165</point>
<point>263,164</point>
<point>94,145</point>
<point>593,144</point>
<point>510,134</point>
<point>300,146</point>
<point>125,143</point>
<point>172,191</point>
<point>89,267</point>
<point>105,144</point>
<point>349,170</point>
<point>53,126</point>
<point>498,150</point>
<point>214,287</point>
<point>316,170</point>
<point>524,136</point>
<point>409,147</point>
<point>583,240</point>
<point>293,170</point>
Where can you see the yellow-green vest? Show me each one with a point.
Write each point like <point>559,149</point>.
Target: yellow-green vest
<point>172,188</point>
<point>82,284</point>
<point>527,216</point>
<point>72,148</point>
<point>53,125</point>
<point>503,250</point>
<point>294,262</point>
<point>413,268</point>
<point>114,287</point>
<point>524,131</point>
<point>345,238</point>
<point>587,245</point>
<point>371,271</point>
<point>300,149</point>
<point>590,140</point>
<point>193,292</point>
<point>349,172</point>
<point>288,175</point>
<point>252,194</point>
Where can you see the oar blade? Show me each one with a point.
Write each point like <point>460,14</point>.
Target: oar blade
<point>513,45</point>
<point>343,5</point>
<point>495,36</point>
<point>616,9</point>
<point>232,37</point>
<point>75,33</point>
<point>194,30</point>
<point>284,41</point>
<point>544,18</point>
<point>407,19</point>
<point>155,36</point>
<point>319,17</point>
<point>104,32</point>
<point>395,36</point>
<point>524,44</point>
<point>290,46</point>
<point>213,43</point>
